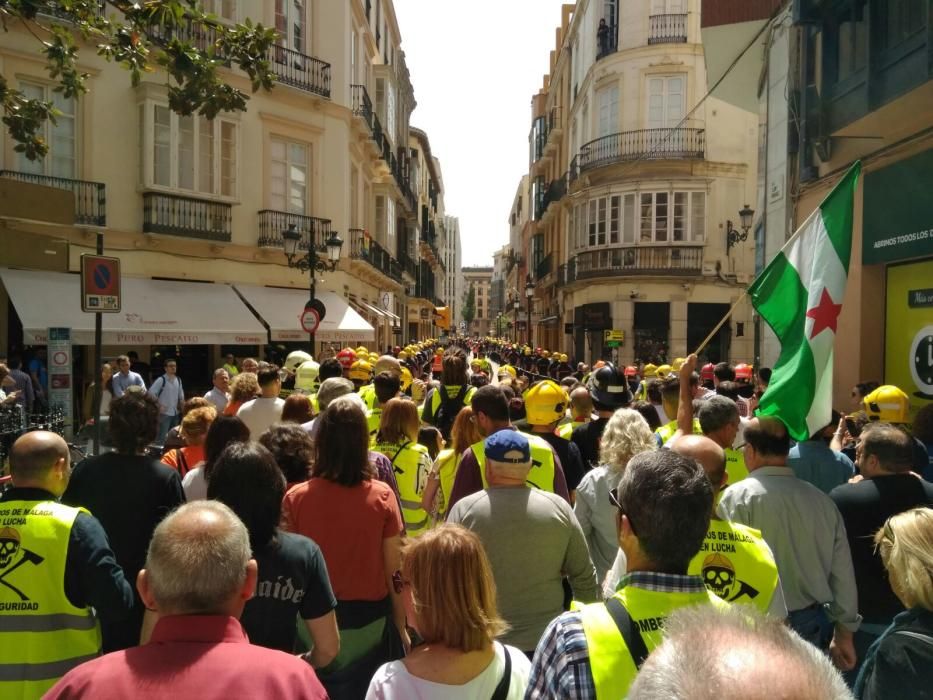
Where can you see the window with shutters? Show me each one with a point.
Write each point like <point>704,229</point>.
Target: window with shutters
<point>61,137</point>
<point>289,185</point>
<point>666,98</point>
<point>188,153</point>
<point>647,218</point>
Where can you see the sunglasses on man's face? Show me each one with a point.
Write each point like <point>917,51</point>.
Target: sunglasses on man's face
<point>615,502</point>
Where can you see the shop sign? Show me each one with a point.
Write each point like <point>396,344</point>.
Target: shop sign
<point>60,385</point>
<point>593,317</point>
<point>908,334</point>
<point>898,220</point>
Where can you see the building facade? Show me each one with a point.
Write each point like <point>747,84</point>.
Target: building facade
<point>479,279</point>
<point>635,187</point>
<point>840,83</point>
<point>185,199</point>
<point>453,282</point>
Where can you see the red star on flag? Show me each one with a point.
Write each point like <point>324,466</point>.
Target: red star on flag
<point>825,314</point>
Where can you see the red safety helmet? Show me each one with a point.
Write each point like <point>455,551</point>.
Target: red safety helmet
<point>743,371</point>
<point>707,373</point>
<point>346,357</point>
<point>631,371</point>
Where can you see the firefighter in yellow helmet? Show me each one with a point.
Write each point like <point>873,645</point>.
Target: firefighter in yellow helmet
<point>361,373</point>
<point>546,405</point>
<point>887,404</point>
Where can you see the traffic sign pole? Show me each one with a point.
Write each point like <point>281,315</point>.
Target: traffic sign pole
<point>98,337</point>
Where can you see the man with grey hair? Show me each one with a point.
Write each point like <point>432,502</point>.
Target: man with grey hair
<point>199,574</point>
<point>532,539</point>
<point>734,654</point>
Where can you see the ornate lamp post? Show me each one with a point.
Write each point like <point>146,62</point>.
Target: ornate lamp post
<point>311,261</point>
<point>733,236</point>
<point>529,295</point>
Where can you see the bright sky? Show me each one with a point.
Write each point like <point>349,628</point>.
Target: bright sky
<point>475,66</point>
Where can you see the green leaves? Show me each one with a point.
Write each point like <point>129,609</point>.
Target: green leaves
<point>191,47</point>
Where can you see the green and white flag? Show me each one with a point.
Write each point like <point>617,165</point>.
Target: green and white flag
<point>799,294</point>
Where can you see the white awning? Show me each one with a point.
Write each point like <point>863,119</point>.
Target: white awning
<point>379,312</point>
<point>154,312</point>
<point>280,309</point>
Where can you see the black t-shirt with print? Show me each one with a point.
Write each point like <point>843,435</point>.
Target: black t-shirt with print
<point>292,583</point>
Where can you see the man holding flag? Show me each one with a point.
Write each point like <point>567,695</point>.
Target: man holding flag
<point>799,294</point>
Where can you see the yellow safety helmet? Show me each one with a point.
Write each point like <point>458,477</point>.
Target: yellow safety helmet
<point>373,358</point>
<point>545,403</point>
<point>650,371</point>
<point>306,376</point>
<point>664,371</point>
<point>417,392</point>
<point>295,359</point>
<point>361,370</point>
<point>406,378</point>
<point>526,352</point>
<point>562,358</point>
<point>678,363</point>
<point>887,404</point>
<point>362,350</point>
<point>509,370</point>
<point>403,354</point>
<point>545,353</point>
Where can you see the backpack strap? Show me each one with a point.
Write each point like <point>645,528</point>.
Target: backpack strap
<point>502,689</point>
<point>630,633</point>
<point>397,453</point>
<point>182,463</point>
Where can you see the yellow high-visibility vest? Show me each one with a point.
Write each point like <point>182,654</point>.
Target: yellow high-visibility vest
<point>368,393</point>
<point>542,471</point>
<point>42,634</point>
<point>737,565</point>
<point>611,662</point>
<point>411,473</point>
<point>566,430</point>
<point>735,465</point>
<point>666,432</point>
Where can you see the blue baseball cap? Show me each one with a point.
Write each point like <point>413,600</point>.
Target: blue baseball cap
<point>508,446</point>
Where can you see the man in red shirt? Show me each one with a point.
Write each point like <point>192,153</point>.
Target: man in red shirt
<point>199,574</point>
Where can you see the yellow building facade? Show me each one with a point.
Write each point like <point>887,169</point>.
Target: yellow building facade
<point>636,179</point>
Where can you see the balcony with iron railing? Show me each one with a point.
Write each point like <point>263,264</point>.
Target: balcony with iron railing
<point>364,248</point>
<point>555,192</point>
<point>191,217</point>
<point>664,260</point>
<point>300,71</point>
<point>667,29</point>
<point>312,229</point>
<point>90,197</point>
<point>607,40</point>
<point>408,265</point>
<point>678,143</point>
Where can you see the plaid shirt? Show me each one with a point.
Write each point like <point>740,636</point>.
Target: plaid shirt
<point>561,666</point>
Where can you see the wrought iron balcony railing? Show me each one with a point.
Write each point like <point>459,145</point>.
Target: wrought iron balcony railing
<point>187,216</point>
<point>408,265</point>
<point>362,247</point>
<point>644,144</point>
<point>90,197</point>
<point>556,190</point>
<point>544,267</point>
<point>667,29</point>
<point>633,261</point>
<point>312,229</point>
<point>300,71</point>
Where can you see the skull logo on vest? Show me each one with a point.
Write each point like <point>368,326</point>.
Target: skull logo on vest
<point>719,575</point>
<point>9,546</point>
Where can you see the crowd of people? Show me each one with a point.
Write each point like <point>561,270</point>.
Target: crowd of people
<point>469,520</point>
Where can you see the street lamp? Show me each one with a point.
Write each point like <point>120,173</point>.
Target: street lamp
<point>529,294</point>
<point>517,305</point>
<point>311,261</point>
<point>733,236</point>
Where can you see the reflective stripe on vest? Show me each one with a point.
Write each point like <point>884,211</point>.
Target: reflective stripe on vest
<point>566,430</point>
<point>737,565</point>
<point>452,392</point>
<point>42,635</point>
<point>666,432</point>
<point>542,471</point>
<point>610,661</point>
<point>411,475</point>
<point>373,417</point>
<point>735,465</point>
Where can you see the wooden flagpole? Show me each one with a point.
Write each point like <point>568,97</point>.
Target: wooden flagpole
<point>720,324</point>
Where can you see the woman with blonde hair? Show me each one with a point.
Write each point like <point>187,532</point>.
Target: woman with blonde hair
<point>626,435</point>
<point>436,494</point>
<point>449,595</point>
<point>194,427</point>
<point>243,388</point>
<point>397,439</point>
<point>900,663</point>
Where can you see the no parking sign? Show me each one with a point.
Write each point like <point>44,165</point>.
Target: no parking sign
<point>100,284</point>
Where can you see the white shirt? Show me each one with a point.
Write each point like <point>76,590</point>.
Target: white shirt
<point>393,681</point>
<point>194,484</point>
<point>219,398</point>
<point>259,415</point>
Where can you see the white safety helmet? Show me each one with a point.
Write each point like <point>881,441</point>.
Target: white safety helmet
<point>295,358</point>
<point>306,376</point>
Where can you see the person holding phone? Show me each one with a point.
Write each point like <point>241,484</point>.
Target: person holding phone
<point>815,460</point>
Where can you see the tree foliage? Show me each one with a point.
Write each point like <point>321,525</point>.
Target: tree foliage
<point>469,306</point>
<point>177,36</point>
